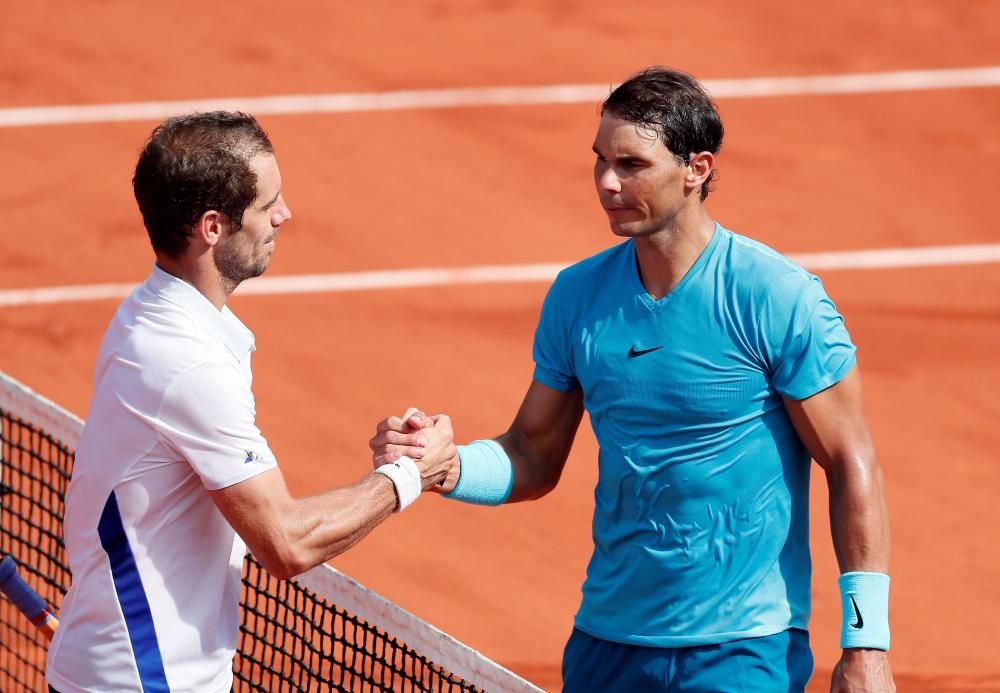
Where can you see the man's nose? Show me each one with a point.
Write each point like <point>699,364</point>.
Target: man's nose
<point>607,180</point>
<point>281,215</point>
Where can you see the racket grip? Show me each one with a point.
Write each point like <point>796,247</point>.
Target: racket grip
<point>27,600</point>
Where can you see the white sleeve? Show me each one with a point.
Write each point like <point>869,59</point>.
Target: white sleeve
<point>208,415</point>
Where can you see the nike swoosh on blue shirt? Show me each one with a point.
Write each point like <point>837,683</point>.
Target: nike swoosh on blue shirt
<point>633,352</point>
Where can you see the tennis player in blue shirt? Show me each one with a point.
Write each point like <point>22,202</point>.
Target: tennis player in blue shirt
<point>712,369</point>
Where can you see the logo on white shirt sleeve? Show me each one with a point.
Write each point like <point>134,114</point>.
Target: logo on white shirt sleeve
<point>252,457</point>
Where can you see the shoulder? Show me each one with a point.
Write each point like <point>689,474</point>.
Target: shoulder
<point>209,387</point>
<point>164,332</point>
<point>596,269</point>
<point>151,344</point>
<point>761,271</point>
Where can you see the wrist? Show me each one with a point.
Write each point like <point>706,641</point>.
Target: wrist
<point>863,652</point>
<point>406,481</point>
<point>864,598</point>
<point>485,474</point>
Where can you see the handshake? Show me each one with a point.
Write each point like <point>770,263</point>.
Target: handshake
<point>427,440</point>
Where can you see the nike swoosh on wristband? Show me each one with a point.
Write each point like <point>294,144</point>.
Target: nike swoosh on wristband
<point>857,612</point>
<point>633,352</point>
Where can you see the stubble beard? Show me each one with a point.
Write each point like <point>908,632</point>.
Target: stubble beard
<point>234,269</point>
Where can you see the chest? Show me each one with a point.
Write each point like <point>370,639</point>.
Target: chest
<point>685,365</point>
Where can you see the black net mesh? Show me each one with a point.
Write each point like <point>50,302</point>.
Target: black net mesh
<point>290,638</point>
<point>36,471</point>
<point>293,640</point>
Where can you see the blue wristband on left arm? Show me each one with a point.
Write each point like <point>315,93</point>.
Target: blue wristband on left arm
<point>864,598</point>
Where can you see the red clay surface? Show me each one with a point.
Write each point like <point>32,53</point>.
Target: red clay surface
<point>512,185</point>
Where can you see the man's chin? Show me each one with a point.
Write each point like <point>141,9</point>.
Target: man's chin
<point>259,268</point>
<point>623,230</point>
<point>255,270</point>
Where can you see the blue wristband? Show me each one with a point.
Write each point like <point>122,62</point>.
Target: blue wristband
<point>485,474</point>
<point>864,598</point>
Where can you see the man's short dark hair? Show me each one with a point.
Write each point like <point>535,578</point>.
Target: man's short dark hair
<point>676,107</point>
<point>193,164</point>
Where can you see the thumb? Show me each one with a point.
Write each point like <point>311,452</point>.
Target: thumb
<point>416,419</point>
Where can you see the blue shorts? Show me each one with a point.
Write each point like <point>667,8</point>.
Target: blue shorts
<point>780,662</point>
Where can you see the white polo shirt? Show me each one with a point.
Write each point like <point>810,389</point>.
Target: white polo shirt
<point>154,601</point>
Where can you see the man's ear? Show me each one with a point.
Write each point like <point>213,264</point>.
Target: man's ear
<point>210,227</point>
<point>700,167</point>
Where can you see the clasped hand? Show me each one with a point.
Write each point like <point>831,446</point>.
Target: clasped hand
<point>428,440</point>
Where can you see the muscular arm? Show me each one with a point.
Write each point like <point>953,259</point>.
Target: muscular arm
<point>833,427</point>
<point>289,535</point>
<point>539,440</point>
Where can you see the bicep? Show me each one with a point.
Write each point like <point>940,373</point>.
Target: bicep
<point>832,423</point>
<point>540,438</point>
<point>548,419</point>
<point>255,508</point>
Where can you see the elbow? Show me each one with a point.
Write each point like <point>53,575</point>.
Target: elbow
<point>282,565</point>
<point>536,468</point>
<point>540,486</point>
<point>282,557</point>
<point>856,471</point>
<point>547,486</point>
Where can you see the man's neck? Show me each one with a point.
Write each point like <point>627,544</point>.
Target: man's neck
<point>666,256</point>
<point>205,280</point>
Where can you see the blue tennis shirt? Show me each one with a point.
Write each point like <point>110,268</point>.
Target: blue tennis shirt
<point>701,521</point>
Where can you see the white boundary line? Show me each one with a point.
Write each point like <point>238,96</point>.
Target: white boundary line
<point>359,102</point>
<point>887,258</point>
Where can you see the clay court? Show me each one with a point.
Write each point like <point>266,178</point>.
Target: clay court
<point>509,185</point>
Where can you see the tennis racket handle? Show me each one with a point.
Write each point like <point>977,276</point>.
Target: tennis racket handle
<point>27,600</point>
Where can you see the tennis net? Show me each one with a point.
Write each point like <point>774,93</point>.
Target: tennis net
<point>321,631</point>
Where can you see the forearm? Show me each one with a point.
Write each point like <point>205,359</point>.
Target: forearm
<point>323,526</point>
<point>859,521</point>
<point>289,535</point>
<point>535,472</point>
<point>860,526</point>
<point>540,439</point>
<point>859,518</point>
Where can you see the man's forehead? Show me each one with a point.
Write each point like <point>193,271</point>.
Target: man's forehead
<point>268,186</point>
<point>616,131</point>
<point>263,163</point>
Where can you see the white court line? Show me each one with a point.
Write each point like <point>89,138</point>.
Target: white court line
<point>909,80</point>
<point>503,274</point>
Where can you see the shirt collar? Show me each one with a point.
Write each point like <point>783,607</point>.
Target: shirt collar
<point>222,324</point>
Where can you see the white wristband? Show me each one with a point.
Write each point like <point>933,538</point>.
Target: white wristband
<point>405,477</point>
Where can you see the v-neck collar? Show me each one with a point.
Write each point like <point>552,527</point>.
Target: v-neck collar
<point>657,304</point>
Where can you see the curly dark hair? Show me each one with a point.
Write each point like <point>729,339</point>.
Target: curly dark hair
<point>676,107</point>
<point>192,164</point>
